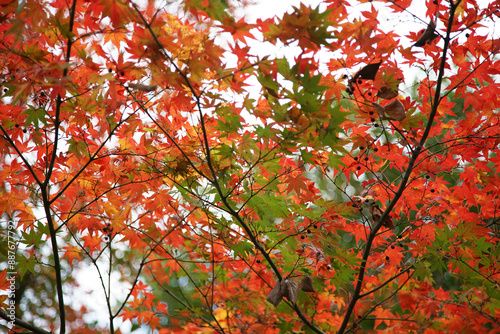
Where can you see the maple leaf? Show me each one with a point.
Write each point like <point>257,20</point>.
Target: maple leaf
<point>239,30</point>
<point>116,10</point>
<point>297,183</point>
<point>72,253</point>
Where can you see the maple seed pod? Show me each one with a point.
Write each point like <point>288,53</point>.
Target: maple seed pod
<point>375,149</point>
<point>387,258</point>
<point>355,158</point>
<point>372,119</point>
<point>358,168</point>
<point>433,190</point>
<point>371,113</point>
<point>369,93</point>
<point>366,158</point>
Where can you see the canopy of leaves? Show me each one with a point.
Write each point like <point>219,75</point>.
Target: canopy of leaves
<point>213,189</point>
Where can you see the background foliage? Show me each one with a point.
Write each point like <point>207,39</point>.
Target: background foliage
<point>342,197</point>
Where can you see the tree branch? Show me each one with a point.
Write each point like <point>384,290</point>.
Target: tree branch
<point>214,181</point>
<point>404,181</point>
<point>24,324</point>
